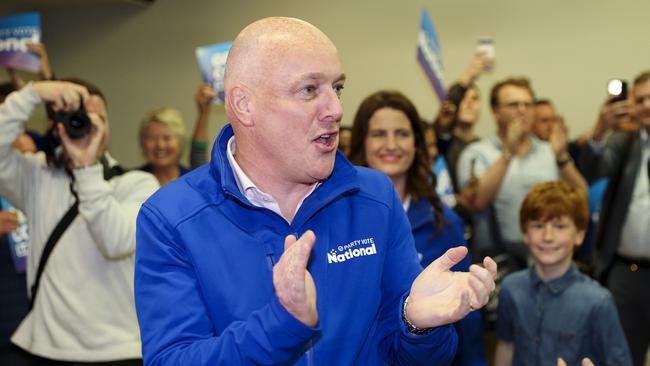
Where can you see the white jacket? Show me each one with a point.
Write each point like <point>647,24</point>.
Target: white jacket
<point>84,310</point>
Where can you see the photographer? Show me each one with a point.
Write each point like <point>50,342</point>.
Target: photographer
<point>82,294</point>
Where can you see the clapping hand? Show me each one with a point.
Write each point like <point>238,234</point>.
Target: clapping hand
<point>293,284</point>
<point>439,296</point>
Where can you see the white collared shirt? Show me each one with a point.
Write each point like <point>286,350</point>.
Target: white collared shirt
<point>635,239</point>
<point>407,202</point>
<point>249,189</point>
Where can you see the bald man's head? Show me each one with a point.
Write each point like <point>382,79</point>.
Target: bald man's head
<point>266,43</point>
<point>283,83</point>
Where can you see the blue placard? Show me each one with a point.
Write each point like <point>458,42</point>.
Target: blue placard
<point>17,240</point>
<point>15,32</point>
<point>429,55</point>
<point>212,62</point>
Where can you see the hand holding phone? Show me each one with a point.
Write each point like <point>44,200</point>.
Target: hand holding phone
<point>487,50</point>
<point>617,89</point>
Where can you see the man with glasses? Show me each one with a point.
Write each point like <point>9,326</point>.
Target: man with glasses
<point>509,163</point>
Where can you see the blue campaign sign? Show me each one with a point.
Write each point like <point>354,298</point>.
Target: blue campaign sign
<point>15,32</point>
<point>429,55</point>
<point>212,62</point>
<point>17,240</point>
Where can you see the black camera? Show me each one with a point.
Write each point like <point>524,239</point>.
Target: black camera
<point>77,123</point>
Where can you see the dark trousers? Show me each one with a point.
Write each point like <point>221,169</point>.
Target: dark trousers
<point>632,297</point>
<point>22,358</point>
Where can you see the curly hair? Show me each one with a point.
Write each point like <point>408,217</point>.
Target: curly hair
<point>420,179</point>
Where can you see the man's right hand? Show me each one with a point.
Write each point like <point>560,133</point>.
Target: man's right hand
<point>203,98</point>
<point>8,222</point>
<point>515,135</point>
<point>478,64</point>
<point>610,117</point>
<point>63,95</point>
<point>293,284</point>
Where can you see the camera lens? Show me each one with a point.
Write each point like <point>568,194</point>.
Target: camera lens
<point>77,124</point>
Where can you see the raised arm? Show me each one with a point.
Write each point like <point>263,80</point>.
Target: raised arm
<point>16,170</point>
<point>568,170</point>
<point>199,146</point>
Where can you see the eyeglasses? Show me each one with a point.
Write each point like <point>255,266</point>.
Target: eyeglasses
<point>517,105</point>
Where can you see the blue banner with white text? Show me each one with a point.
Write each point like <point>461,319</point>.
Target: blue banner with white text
<point>212,62</point>
<point>15,32</point>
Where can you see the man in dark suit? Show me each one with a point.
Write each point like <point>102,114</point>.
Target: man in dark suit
<point>623,238</point>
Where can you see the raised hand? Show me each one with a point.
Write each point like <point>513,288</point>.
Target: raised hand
<point>515,135</point>
<point>444,118</point>
<point>558,139</point>
<point>439,296</point>
<point>86,150</point>
<point>293,284</point>
<point>203,98</point>
<point>8,222</point>
<point>479,63</point>
<point>63,95</point>
<point>611,115</point>
<point>39,49</point>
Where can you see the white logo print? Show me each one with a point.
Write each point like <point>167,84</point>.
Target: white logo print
<point>354,249</point>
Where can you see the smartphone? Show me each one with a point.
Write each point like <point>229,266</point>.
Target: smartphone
<point>617,89</point>
<point>485,47</point>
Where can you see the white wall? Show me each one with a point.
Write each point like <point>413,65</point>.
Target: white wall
<point>143,57</point>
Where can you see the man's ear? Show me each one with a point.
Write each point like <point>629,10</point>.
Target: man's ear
<point>239,100</point>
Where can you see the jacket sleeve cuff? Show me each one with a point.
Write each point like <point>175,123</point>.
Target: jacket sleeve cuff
<point>89,181</point>
<point>30,95</point>
<point>290,324</point>
<point>434,336</point>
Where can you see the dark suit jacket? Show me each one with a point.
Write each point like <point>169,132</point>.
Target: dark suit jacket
<point>621,157</point>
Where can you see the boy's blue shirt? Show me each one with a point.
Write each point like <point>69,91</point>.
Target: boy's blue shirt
<point>570,317</point>
<point>204,282</point>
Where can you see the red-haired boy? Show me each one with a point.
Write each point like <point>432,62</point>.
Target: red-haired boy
<point>551,310</point>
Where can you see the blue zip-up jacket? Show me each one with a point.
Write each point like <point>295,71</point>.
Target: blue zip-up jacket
<point>431,245</point>
<point>204,282</point>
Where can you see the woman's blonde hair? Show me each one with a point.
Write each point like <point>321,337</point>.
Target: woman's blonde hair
<point>171,118</point>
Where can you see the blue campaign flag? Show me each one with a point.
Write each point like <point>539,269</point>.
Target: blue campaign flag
<point>212,62</point>
<point>15,32</point>
<point>429,55</point>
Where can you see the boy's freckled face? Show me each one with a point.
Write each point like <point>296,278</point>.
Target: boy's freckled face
<point>551,242</point>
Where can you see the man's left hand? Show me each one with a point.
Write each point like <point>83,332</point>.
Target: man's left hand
<point>439,296</point>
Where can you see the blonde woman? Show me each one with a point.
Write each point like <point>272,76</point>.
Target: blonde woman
<point>162,139</point>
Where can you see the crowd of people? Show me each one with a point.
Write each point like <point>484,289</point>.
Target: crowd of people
<point>392,241</point>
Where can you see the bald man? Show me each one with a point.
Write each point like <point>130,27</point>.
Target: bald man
<point>280,251</point>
